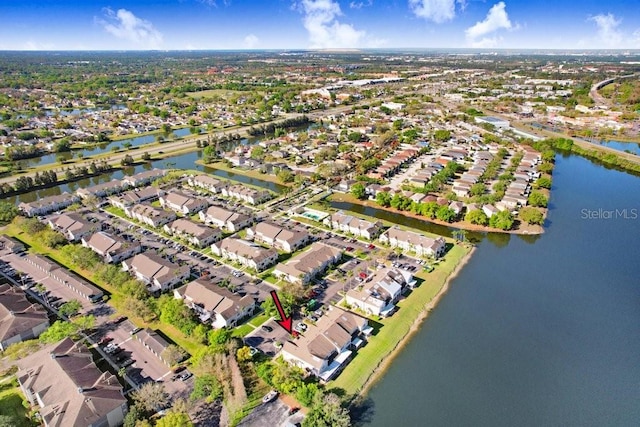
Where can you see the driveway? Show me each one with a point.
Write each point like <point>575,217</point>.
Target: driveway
<point>147,366</point>
<point>264,340</point>
<point>273,414</point>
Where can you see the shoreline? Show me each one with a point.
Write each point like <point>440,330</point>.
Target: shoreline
<point>384,364</point>
<point>219,165</point>
<point>529,230</point>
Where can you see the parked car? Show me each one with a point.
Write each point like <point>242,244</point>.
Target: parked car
<point>135,331</point>
<point>111,348</point>
<point>185,376</point>
<point>105,341</point>
<point>267,328</point>
<point>270,397</point>
<point>126,362</point>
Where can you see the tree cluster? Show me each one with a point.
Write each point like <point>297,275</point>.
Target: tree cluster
<point>430,210</point>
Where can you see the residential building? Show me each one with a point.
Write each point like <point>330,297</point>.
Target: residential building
<point>304,266</point>
<point>154,342</point>
<point>79,285</point>
<point>69,389</point>
<point>144,178</point>
<point>225,219</point>
<point>156,272</point>
<point>73,226</point>
<point>490,210</point>
<point>246,194</point>
<point>413,242</point>
<point>197,234</point>
<point>215,304</point>
<point>48,204</point>
<point>207,182</point>
<point>99,191</point>
<point>352,225</point>
<point>19,319</point>
<point>150,215</point>
<point>10,244</point>
<point>344,186</point>
<point>326,347</point>
<point>135,197</point>
<point>456,207</point>
<point>377,295</point>
<point>182,203</point>
<point>279,237</point>
<point>112,249</point>
<point>246,253</point>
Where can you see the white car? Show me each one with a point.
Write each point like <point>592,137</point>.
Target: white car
<point>270,397</point>
<point>110,348</point>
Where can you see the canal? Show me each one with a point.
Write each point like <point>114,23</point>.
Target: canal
<point>533,332</point>
<point>93,150</point>
<point>182,161</point>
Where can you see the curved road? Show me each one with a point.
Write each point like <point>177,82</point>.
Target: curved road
<point>597,97</point>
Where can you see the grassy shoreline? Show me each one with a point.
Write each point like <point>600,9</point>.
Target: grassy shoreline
<point>394,332</point>
<point>524,229</point>
<point>250,174</point>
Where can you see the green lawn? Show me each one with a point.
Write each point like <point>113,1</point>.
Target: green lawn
<point>249,173</point>
<point>11,404</point>
<point>390,331</point>
<point>258,320</point>
<point>116,297</point>
<point>242,330</point>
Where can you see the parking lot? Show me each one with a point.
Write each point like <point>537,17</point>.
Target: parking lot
<point>140,363</point>
<point>57,293</point>
<point>267,336</point>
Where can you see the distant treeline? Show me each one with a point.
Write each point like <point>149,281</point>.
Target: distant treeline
<point>271,127</point>
<point>50,178</point>
<point>605,158</point>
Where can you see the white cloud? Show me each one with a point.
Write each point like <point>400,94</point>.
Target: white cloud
<point>608,32</point>
<point>437,11</point>
<point>497,19</point>
<point>32,45</point>
<point>325,31</point>
<point>251,41</point>
<point>125,25</point>
<point>214,3</point>
<point>360,4</point>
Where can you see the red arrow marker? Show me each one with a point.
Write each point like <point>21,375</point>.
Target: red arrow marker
<point>284,321</point>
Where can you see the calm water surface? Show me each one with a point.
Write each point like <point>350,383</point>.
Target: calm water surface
<point>534,332</point>
<point>182,161</point>
<point>630,147</point>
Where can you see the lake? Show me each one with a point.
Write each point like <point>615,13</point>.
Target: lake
<point>96,149</point>
<point>542,331</point>
<point>182,161</point>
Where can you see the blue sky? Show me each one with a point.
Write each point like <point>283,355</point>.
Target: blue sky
<point>301,24</point>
